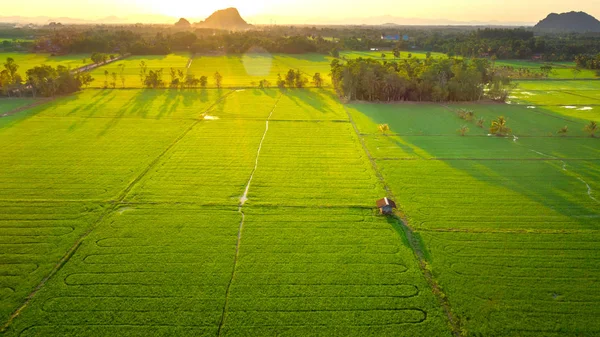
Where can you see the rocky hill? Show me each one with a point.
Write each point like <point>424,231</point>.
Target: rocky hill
<point>229,19</point>
<point>571,22</point>
<point>182,23</point>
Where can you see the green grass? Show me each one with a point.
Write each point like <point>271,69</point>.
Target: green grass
<point>28,61</point>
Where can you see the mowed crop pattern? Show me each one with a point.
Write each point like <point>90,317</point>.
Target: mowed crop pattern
<point>208,212</point>
<point>331,272</point>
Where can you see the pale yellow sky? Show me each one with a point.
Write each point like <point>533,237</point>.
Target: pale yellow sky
<point>307,10</point>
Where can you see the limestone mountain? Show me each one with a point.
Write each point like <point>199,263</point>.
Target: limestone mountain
<point>569,22</point>
<point>229,19</point>
<point>182,23</point>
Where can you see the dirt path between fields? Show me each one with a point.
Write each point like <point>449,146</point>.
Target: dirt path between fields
<point>243,200</point>
<point>415,244</point>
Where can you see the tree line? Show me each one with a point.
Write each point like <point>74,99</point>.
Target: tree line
<point>41,80</point>
<point>440,80</point>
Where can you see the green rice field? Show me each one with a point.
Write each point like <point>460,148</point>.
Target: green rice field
<point>27,61</point>
<point>509,225</point>
<point>249,212</point>
<point>560,70</point>
<point>131,71</point>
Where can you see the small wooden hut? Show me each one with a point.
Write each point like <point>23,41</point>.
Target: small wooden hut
<point>386,206</point>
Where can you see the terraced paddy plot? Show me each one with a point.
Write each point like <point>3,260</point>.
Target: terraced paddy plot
<point>28,61</point>
<point>210,165</point>
<point>33,238</point>
<point>145,270</point>
<point>132,69</point>
<point>316,164</point>
<point>128,104</point>
<point>340,271</point>
<point>520,284</point>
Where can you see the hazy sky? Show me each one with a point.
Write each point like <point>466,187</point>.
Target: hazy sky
<point>305,10</point>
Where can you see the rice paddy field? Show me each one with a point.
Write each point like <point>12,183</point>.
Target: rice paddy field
<point>560,70</point>
<point>248,69</point>
<point>509,226</point>
<point>27,61</point>
<point>247,212</point>
<point>132,68</point>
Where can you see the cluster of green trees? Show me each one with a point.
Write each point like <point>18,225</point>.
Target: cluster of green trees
<point>41,80</point>
<point>588,61</point>
<point>419,80</point>
<point>178,79</point>
<point>15,45</point>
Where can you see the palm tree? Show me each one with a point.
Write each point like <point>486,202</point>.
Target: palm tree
<point>591,128</point>
<point>463,130</point>
<point>499,127</point>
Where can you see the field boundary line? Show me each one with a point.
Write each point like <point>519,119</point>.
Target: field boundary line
<point>402,222</point>
<point>243,200</point>
<point>70,252</point>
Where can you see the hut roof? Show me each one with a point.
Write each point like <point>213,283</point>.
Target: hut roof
<point>386,202</point>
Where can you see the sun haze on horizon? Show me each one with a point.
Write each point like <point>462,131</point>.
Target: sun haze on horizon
<point>305,10</point>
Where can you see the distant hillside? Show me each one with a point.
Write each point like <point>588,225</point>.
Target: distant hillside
<point>229,19</point>
<point>182,23</point>
<point>571,21</point>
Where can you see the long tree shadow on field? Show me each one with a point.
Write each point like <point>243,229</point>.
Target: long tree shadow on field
<point>138,105</point>
<point>317,99</point>
<point>560,189</point>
